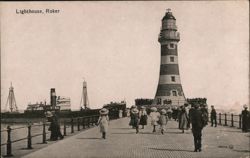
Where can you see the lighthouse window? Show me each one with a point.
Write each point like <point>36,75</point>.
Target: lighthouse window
<point>171,45</point>
<point>174,93</point>
<point>172,59</point>
<point>173,78</point>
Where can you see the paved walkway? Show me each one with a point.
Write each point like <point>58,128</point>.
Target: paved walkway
<point>122,142</point>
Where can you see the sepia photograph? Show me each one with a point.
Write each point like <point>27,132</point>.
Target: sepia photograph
<point>125,79</point>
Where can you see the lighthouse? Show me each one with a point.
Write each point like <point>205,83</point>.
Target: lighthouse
<point>169,90</point>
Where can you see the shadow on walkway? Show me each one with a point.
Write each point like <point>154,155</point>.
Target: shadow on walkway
<point>122,128</point>
<point>175,132</point>
<point>245,151</point>
<point>235,131</point>
<point>90,138</point>
<point>156,133</point>
<point>171,149</point>
<point>125,133</point>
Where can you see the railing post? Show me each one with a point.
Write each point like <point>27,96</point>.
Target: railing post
<point>208,117</point>
<point>225,119</point>
<point>44,132</point>
<point>96,119</point>
<point>83,123</point>
<point>64,128</point>
<point>72,125</point>
<point>9,149</point>
<point>78,124</point>
<point>88,122</point>
<point>232,120</point>
<point>29,145</point>
<point>240,121</point>
<point>219,118</point>
<point>92,120</point>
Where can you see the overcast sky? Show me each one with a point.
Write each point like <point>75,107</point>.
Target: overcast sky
<point>114,46</point>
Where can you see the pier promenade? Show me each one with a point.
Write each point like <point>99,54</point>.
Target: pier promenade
<point>219,142</point>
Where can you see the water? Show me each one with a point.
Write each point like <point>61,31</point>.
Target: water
<point>19,133</point>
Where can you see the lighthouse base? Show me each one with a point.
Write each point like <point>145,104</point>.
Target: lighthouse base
<point>168,100</point>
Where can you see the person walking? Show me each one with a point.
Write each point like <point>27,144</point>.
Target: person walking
<point>143,117</point>
<point>103,122</point>
<point>213,117</point>
<point>154,117</point>
<point>197,126</point>
<point>135,118</point>
<point>183,119</point>
<point>245,116</point>
<point>120,113</point>
<point>204,111</point>
<point>169,113</point>
<point>131,122</point>
<point>163,120</point>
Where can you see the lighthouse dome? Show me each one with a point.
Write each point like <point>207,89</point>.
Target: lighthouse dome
<point>168,15</point>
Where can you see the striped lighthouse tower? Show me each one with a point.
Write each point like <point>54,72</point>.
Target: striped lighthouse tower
<point>169,90</point>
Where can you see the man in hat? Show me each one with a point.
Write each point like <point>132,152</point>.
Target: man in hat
<point>197,125</point>
<point>213,117</point>
<point>245,117</point>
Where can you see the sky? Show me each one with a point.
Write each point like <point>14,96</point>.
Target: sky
<point>114,47</point>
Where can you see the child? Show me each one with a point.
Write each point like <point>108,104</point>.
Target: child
<point>163,120</point>
<point>103,122</point>
<point>154,117</point>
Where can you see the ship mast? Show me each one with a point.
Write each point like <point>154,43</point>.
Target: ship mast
<point>84,104</point>
<point>11,101</point>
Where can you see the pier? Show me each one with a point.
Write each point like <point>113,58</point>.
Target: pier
<point>122,141</point>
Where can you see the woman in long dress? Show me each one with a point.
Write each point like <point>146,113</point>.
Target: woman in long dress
<point>143,117</point>
<point>103,122</point>
<point>183,119</point>
<point>54,126</point>
<point>135,118</point>
<point>132,120</point>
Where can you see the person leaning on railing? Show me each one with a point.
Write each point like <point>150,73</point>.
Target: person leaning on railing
<point>213,117</point>
<point>245,119</point>
<point>54,126</point>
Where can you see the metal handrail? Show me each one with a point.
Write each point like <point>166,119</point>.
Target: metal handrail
<point>84,121</point>
<point>228,119</point>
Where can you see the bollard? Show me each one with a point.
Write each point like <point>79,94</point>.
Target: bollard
<point>78,124</point>
<point>225,119</point>
<point>240,121</point>
<point>64,128</point>
<point>72,125</point>
<point>44,133</point>
<point>219,118</point>
<point>9,149</point>
<point>232,120</point>
<point>29,145</point>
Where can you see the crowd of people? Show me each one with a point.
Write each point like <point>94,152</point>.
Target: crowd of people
<point>193,116</point>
